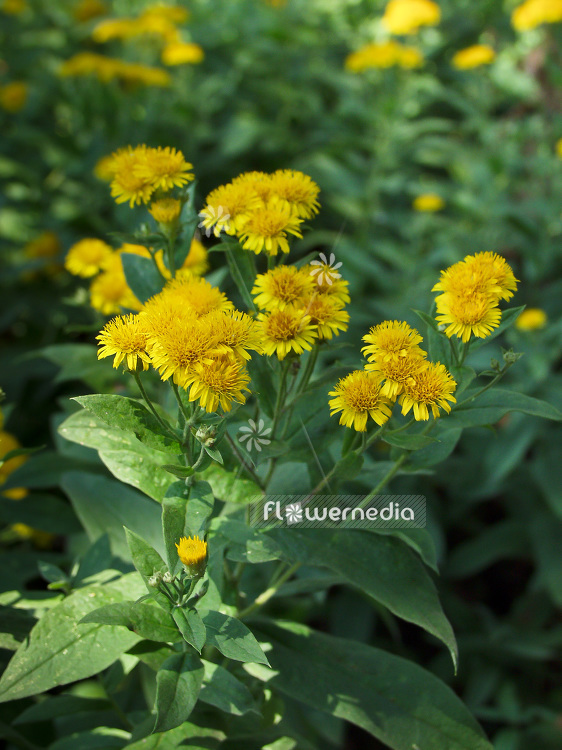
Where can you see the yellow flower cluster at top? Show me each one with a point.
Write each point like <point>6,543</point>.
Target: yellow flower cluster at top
<point>383,55</point>
<point>470,292</point>
<point>109,68</point>
<point>262,209</point>
<point>109,291</point>
<point>397,368</point>
<point>407,16</point>
<point>533,13</point>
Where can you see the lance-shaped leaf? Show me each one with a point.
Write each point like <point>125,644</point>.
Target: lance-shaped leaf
<point>178,682</point>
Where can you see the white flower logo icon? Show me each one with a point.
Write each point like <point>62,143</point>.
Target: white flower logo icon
<point>293,513</point>
<point>254,434</point>
<point>214,220</point>
<point>326,271</point>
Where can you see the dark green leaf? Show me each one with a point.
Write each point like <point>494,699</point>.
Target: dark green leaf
<point>178,682</point>
<point>191,627</point>
<point>223,690</point>
<point>408,442</point>
<point>142,276</point>
<point>185,512</point>
<point>232,638</point>
<point>146,620</point>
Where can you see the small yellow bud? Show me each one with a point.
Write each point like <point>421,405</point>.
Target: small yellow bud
<point>192,551</point>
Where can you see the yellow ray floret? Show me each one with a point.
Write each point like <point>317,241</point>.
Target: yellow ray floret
<point>358,397</point>
<point>198,295</point>
<point>431,388</point>
<point>288,330</point>
<point>236,332</point>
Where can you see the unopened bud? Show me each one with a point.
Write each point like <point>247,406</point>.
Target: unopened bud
<point>495,365</point>
<point>155,580</point>
<point>167,577</point>
<point>510,357</point>
<point>206,435</point>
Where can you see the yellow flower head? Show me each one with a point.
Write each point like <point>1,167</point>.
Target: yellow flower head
<point>9,443</point>
<point>236,332</point>
<point>128,184</point>
<point>218,381</point>
<point>126,339</point>
<point>328,281</point>
<point>45,246</point>
<point>396,371</point>
<point>495,271</point>
<point>287,330</point>
<point>192,551</point>
<point>109,292</point>
<point>182,53</point>
<point>104,168</point>
<point>197,295</point>
<point>558,148</point>
<point>464,316</point>
<point>392,339</point>
<point>531,319</point>
<point>163,168</point>
<point>431,388</point>
<point>473,57</point>
<point>260,182</point>
<point>196,260</point>
<point>359,396</point>
<point>165,210</point>
<point>229,207</point>
<point>282,286</point>
<point>327,314</point>
<point>85,10</point>
<point>297,190</point>
<point>407,16</point>
<point>428,203</point>
<point>13,96</point>
<point>533,13</point>
<point>383,55</point>
<point>268,226</point>
<point>87,257</point>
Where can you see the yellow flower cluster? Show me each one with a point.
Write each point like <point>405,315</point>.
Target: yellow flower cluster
<point>383,55</point>
<point>397,368</point>
<point>473,57</point>
<point>160,22</point>
<point>428,203</point>
<point>109,291</point>
<point>261,209</point>
<point>533,13</point>
<point>189,333</point>
<point>407,16</point>
<point>299,306</point>
<point>470,292</point>
<point>108,69</point>
<point>143,173</point>
<point>13,96</point>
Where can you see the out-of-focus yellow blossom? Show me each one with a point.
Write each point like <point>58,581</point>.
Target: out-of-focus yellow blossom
<point>40,539</point>
<point>108,69</point>
<point>104,169</point>
<point>533,13</point>
<point>109,292</point>
<point>559,147</point>
<point>85,10</point>
<point>46,246</point>
<point>473,57</point>
<point>428,203</point>
<point>531,319</point>
<point>13,7</point>
<point>383,55</point>
<point>182,53</point>
<point>9,443</point>
<point>87,257</point>
<point>157,20</point>
<point>407,16</point>
<point>13,96</point>
<point>165,210</point>
<point>197,259</point>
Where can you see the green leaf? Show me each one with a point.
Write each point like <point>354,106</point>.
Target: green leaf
<point>491,406</point>
<point>242,272</point>
<point>408,442</point>
<point>148,562</point>
<point>128,415</point>
<point>438,347</point>
<point>15,625</point>
<point>143,472</point>
<point>382,566</point>
<point>440,449</point>
<point>185,512</point>
<point>146,620</point>
<point>508,319</point>
<point>105,506</point>
<point>142,276</point>
<point>399,703</point>
<point>232,638</point>
<point>224,691</point>
<point>226,486</point>
<point>20,452</point>
<point>214,454</point>
<point>246,544</point>
<point>182,472</point>
<point>178,682</point>
<point>200,738</point>
<point>61,705</point>
<point>191,627</point>
<point>40,511</point>
<point>349,466</point>
<point>190,220</point>
<point>59,650</point>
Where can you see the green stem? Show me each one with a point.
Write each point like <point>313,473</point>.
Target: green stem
<point>280,397</point>
<point>239,279</point>
<point>243,463</point>
<point>188,417</point>
<point>391,473</point>
<point>308,370</point>
<point>270,592</point>
<point>492,382</point>
<point>150,405</point>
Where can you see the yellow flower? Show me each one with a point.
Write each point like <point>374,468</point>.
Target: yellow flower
<point>235,332</point>
<point>45,246</point>
<point>126,339</point>
<point>463,316</point>
<point>229,207</point>
<point>196,260</point>
<point>182,53</point>
<point>383,55</point>
<point>192,551</point>
<point>559,147</point>
<point>9,443</point>
<point>432,387</point>
<point>287,330</point>
<point>196,295</point>
<point>13,96</point>
<point>129,184</point>
<point>87,257</point>
<point>282,286</point>
<point>13,7</point>
<point>533,13</point>
<point>220,380</point>
<point>163,168</point>
<point>109,292</point>
<point>531,319</point>
<point>327,314</point>
<point>104,169</point>
<point>391,339</point>
<point>260,182</point>
<point>134,73</point>
<point>406,16</point>
<point>495,271</point>
<point>428,202</point>
<point>359,396</point>
<point>85,10</point>
<point>40,539</point>
<point>267,228</point>
<point>473,57</point>
<point>165,210</point>
<point>107,69</point>
<point>171,13</point>
<point>397,370</point>
<point>297,190</point>
<point>327,282</point>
